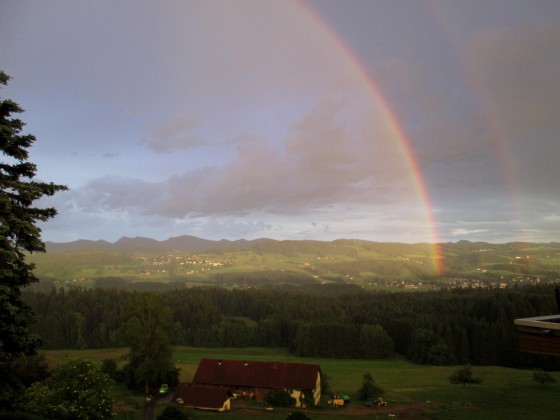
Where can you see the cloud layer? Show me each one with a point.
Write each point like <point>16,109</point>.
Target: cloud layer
<point>245,119</point>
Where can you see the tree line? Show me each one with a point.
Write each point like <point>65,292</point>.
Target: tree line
<point>440,327</point>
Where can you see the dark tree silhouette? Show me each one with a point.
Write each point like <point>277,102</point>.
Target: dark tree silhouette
<point>19,235</point>
<point>369,389</point>
<point>543,378</point>
<point>464,376</point>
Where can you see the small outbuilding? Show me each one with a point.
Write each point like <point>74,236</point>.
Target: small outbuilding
<point>202,397</point>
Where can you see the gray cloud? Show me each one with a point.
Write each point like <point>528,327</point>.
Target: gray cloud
<point>114,193</point>
<point>466,232</point>
<point>517,72</point>
<point>175,134</point>
<point>322,163</point>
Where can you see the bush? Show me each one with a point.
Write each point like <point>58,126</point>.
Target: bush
<point>280,398</point>
<point>172,412</point>
<point>109,366</point>
<point>76,389</point>
<point>543,378</point>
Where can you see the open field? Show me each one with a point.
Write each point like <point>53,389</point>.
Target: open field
<point>413,391</point>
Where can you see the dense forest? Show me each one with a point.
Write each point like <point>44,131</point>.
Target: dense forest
<point>340,321</point>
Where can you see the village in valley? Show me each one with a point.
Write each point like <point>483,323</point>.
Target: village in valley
<point>236,268</point>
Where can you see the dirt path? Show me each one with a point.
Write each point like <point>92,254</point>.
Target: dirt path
<point>149,410</point>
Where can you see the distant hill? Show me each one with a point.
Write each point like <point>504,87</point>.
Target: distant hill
<point>179,243</point>
<point>188,243</point>
<point>263,262</point>
<point>78,246</point>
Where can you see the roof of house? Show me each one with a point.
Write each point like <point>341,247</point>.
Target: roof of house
<point>257,374</point>
<point>200,396</point>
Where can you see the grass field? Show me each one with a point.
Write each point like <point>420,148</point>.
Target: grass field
<point>413,391</point>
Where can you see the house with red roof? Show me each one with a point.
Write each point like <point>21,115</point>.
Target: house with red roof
<point>252,379</point>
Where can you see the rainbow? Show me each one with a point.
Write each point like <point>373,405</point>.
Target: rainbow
<point>394,127</point>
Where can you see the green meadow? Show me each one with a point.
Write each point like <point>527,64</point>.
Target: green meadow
<point>412,391</point>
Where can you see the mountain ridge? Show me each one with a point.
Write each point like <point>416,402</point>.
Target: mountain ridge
<point>189,243</point>
<point>140,243</point>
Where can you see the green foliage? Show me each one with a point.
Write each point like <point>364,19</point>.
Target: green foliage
<point>326,321</point>
<point>543,378</point>
<point>30,369</point>
<point>464,376</point>
<point>18,235</point>
<point>426,348</point>
<point>325,383</point>
<point>76,390</point>
<point>146,331</point>
<point>18,415</point>
<point>19,374</point>
<point>280,398</point>
<point>369,389</point>
<point>109,367</point>
<point>438,354</point>
<point>375,343</point>
<point>172,412</point>
<point>335,339</point>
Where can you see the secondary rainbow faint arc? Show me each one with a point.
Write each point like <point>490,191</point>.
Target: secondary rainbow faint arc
<point>473,84</point>
<point>395,128</point>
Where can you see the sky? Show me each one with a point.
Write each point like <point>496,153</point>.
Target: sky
<point>384,120</point>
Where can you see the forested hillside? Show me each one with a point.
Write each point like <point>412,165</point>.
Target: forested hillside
<point>443,327</point>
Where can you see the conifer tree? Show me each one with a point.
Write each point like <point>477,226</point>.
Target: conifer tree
<point>19,235</point>
<point>369,388</point>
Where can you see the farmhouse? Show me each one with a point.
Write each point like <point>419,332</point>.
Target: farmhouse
<point>251,379</point>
